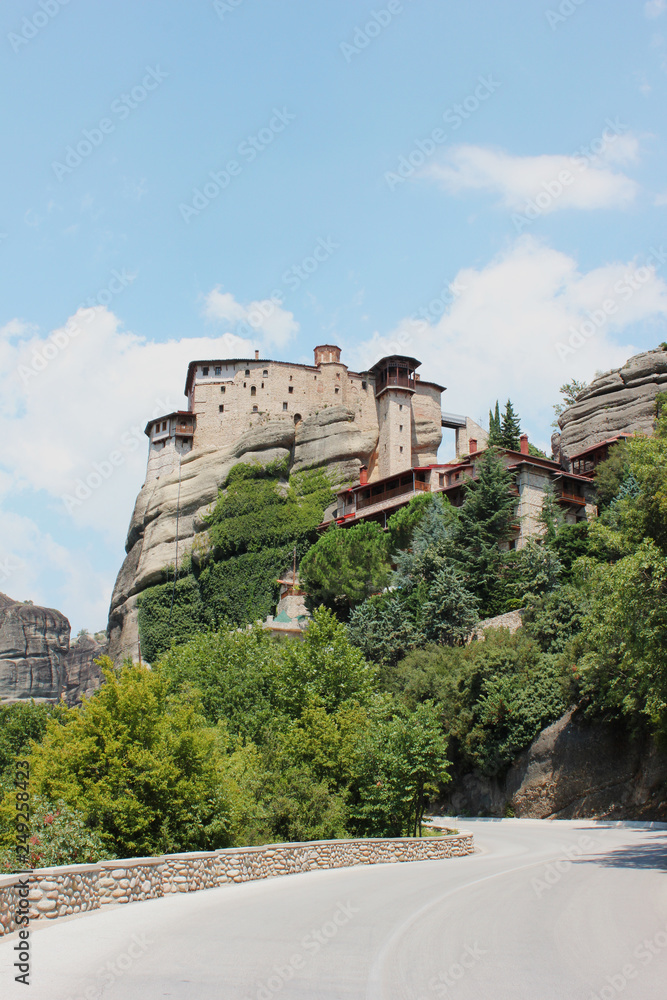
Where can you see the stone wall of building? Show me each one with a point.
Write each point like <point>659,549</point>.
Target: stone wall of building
<point>56,892</point>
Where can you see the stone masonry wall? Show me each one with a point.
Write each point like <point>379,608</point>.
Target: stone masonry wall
<point>57,892</point>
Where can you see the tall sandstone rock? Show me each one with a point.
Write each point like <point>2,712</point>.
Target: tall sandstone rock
<point>618,401</point>
<point>36,660</point>
<point>330,439</point>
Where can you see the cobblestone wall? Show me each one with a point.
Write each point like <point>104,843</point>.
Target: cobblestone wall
<point>56,892</point>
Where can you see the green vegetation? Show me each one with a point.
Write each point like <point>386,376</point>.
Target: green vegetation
<point>261,517</point>
<point>236,737</point>
<point>505,432</point>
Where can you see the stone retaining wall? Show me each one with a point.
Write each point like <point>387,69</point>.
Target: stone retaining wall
<point>56,892</point>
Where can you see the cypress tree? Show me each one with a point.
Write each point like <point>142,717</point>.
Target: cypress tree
<point>495,438</point>
<point>510,430</point>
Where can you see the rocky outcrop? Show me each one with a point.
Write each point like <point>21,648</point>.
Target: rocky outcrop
<point>36,660</point>
<point>83,676</point>
<point>574,769</point>
<point>619,401</point>
<point>329,439</point>
<point>33,644</point>
<point>577,768</point>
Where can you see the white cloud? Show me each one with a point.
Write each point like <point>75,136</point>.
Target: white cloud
<point>583,181</point>
<point>67,402</point>
<point>35,567</point>
<point>654,8</point>
<point>499,336</point>
<point>263,318</point>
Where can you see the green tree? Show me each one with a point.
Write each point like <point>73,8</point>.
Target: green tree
<point>510,430</point>
<point>495,432</point>
<point>484,520</point>
<point>144,769</point>
<point>324,667</point>
<point>384,628</point>
<point>59,835</point>
<point>625,667</point>
<point>554,619</point>
<point>569,392</point>
<point>346,566</point>
<point>401,762</point>
<point>234,673</point>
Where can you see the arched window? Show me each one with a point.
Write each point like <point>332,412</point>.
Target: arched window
<point>253,390</point>
<point>254,409</point>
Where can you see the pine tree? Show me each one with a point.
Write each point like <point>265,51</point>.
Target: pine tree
<point>511,428</point>
<point>494,427</point>
<point>484,520</point>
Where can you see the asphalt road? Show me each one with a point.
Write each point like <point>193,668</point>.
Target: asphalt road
<point>543,911</point>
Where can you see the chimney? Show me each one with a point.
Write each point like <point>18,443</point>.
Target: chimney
<point>472,445</point>
<point>256,355</point>
<point>524,444</point>
<point>363,475</point>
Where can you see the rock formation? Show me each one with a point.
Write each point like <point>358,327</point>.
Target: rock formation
<point>33,644</point>
<point>574,769</point>
<point>619,401</point>
<point>328,439</point>
<point>82,674</point>
<point>577,768</point>
<point>36,660</point>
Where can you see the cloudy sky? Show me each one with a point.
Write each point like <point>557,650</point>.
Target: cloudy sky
<point>481,185</point>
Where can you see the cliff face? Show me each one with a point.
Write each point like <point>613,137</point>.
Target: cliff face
<point>36,660</point>
<point>619,401</point>
<point>574,769</point>
<point>329,439</point>
<point>33,644</point>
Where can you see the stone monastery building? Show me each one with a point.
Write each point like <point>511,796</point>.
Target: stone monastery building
<point>396,417</point>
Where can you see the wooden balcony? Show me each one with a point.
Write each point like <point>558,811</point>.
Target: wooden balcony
<point>424,487</point>
<point>564,497</point>
<point>184,430</point>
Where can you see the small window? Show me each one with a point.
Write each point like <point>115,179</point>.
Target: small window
<point>262,385</point>
<point>253,390</point>
<point>244,384</point>
<point>290,388</point>
<point>222,388</point>
<point>204,372</point>
<point>364,386</point>
<point>441,478</point>
<point>164,426</point>
<point>247,372</point>
<point>265,372</point>
<point>221,408</point>
<point>284,406</point>
<point>401,449</point>
<point>337,390</point>
<point>400,406</point>
<point>254,409</point>
<point>218,370</point>
<point>400,427</point>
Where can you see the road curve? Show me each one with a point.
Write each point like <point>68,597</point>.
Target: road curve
<point>543,911</point>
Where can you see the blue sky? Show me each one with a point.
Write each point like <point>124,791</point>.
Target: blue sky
<point>502,260</point>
